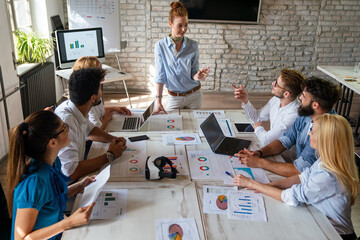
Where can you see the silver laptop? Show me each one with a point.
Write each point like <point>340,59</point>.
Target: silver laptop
<point>131,123</point>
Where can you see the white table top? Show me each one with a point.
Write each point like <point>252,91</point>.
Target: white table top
<point>147,201</point>
<point>340,73</point>
<point>182,198</point>
<point>112,74</point>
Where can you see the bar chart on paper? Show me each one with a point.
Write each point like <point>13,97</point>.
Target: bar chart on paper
<point>246,205</point>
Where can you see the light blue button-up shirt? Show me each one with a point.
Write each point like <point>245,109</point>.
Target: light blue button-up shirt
<point>175,70</point>
<point>299,134</point>
<point>322,189</point>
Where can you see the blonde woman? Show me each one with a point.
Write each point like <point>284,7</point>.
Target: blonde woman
<point>330,184</point>
<point>98,115</point>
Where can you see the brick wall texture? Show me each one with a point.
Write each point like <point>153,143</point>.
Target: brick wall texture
<point>298,34</point>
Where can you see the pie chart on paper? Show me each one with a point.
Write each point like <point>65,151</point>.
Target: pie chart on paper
<point>175,232</point>
<point>185,139</point>
<point>221,202</point>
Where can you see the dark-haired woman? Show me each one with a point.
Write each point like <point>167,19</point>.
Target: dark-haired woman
<point>177,65</point>
<point>36,188</point>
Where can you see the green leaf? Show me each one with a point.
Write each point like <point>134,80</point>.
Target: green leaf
<point>31,47</point>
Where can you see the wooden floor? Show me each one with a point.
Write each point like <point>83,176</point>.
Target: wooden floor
<point>216,101</point>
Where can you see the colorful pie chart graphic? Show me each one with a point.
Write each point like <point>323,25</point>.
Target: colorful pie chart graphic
<point>204,168</point>
<point>133,169</point>
<point>185,139</point>
<point>202,159</point>
<point>175,232</point>
<point>134,161</point>
<point>170,120</point>
<point>171,126</point>
<point>221,202</point>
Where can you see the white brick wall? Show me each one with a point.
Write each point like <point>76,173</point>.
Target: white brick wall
<point>298,34</point>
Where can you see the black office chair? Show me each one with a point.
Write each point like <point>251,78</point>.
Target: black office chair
<point>5,220</point>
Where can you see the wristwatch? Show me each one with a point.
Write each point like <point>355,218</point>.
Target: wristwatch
<point>110,156</point>
<point>260,153</point>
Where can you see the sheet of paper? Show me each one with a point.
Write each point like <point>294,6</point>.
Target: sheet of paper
<point>246,205</point>
<point>179,163</point>
<point>257,174</point>
<point>167,139</point>
<point>208,165</point>
<point>92,190</point>
<point>204,114</point>
<point>131,163</point>
<point>225,125</point>
<point>215,199</point>
<point>228,180</point>
<point>110,204</point>
<point>181,139</point>
<point>182,228</point>
<point>165,123</point>
<point>186,139</point>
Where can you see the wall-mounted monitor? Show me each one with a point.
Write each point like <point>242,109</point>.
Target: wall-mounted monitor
<point>223,11</point>
<point>72,44</point>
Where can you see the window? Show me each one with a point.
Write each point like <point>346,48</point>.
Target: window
<point>20,15</point>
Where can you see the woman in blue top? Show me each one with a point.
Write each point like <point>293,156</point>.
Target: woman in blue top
<point>36,188</point>
<point>177,65</point>
<point>330,184</point>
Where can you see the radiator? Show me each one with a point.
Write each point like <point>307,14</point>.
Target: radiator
<point>39,90</point>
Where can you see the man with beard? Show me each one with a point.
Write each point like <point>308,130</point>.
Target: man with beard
<point>317,99</point>
<point>281,109</point>
<point>85,92</point>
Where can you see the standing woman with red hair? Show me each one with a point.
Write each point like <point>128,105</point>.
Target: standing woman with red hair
<point>177,65</point>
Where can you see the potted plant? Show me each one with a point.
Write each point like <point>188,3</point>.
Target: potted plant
<point>31,47</point>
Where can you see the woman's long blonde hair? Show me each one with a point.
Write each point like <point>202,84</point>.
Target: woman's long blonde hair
<point>335,145</point>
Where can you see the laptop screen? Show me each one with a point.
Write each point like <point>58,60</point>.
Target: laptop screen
<point>212,131</point>
<point>148,111</point>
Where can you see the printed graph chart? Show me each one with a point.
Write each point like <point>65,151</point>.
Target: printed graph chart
<point>178,162</point>
<point>215,199</point>
<point>246,205</point>
<point>94,8</point>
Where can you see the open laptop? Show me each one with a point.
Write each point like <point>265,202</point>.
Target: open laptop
<point>217,140</point>
<point>131,123</point>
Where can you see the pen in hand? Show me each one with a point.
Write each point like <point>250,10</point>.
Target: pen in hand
<point>227,173</point>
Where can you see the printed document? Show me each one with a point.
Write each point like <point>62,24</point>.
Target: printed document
<point>246,205</point>
<point>92,190</point>
<point>110,204</point>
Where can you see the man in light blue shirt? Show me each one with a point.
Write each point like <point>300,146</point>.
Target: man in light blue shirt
<point>317,98</point>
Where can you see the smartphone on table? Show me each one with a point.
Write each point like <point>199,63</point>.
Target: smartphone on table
<point>138,138</point>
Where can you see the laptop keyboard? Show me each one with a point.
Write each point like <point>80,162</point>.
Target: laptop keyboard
<point>130,123</point>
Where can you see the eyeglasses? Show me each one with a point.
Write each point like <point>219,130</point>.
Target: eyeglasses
<point>277,85</point>
<point>65,128</point>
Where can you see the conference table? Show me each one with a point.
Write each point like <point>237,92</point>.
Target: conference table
<point>350,84</point>
<point>182,197</point>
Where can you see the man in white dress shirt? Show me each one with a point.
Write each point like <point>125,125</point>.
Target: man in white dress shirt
<point>281,109</point>
<point>85,92</point>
